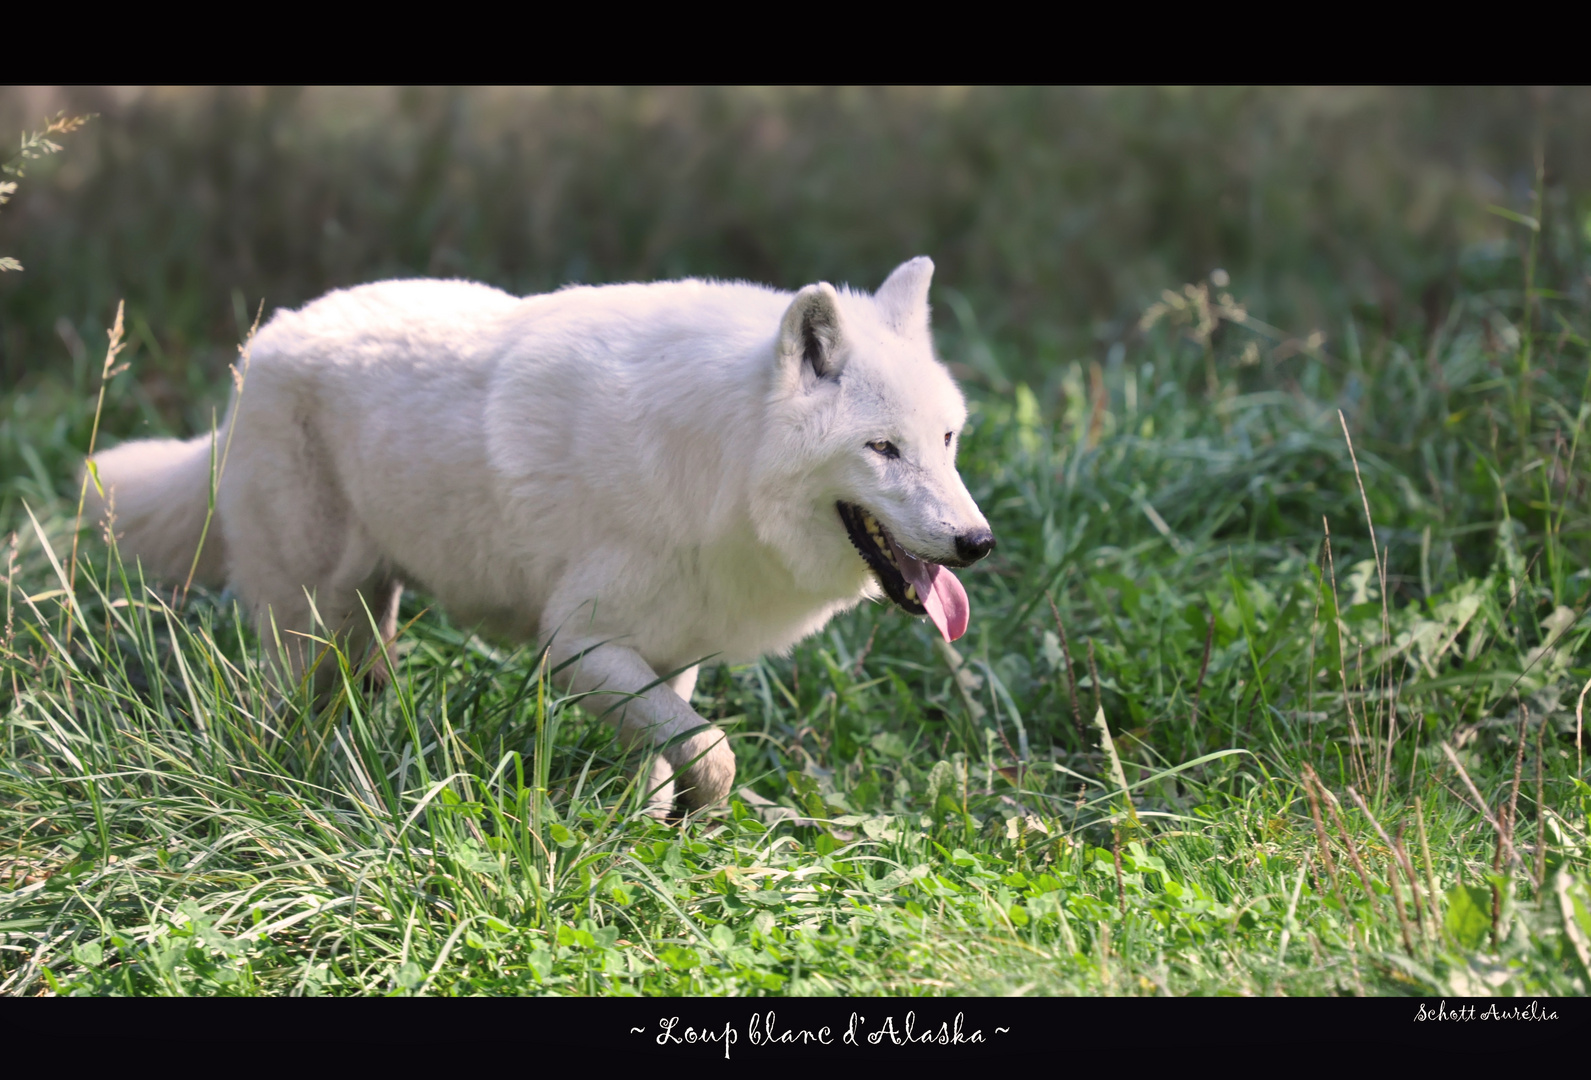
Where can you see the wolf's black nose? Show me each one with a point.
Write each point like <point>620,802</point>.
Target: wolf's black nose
<point>974,545</point>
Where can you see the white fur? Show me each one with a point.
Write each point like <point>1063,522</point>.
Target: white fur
<point>646,474</point>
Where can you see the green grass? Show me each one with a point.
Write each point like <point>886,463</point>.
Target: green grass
<point>1110,796</point>
<point>913,819</point>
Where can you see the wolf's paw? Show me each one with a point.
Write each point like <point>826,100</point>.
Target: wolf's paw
<point>660,790</point>
<point>708,780</point>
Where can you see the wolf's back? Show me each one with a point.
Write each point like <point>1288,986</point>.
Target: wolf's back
<point>159,490</point>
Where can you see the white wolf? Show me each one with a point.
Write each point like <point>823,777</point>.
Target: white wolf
<point>643,475</point>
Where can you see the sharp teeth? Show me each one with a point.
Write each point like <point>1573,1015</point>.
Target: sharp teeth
<point>911,593</point>
<point>881,540</point>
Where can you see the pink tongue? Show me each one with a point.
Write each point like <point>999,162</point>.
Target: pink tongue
<point>946,602</point>
<point>939,593</point>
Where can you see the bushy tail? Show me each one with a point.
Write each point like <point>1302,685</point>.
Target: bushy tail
<point>159,491</point>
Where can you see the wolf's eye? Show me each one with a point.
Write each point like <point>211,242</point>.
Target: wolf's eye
<point>879,446</point>
<point>948,436</point>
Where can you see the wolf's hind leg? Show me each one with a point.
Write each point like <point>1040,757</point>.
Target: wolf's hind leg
<point>297,554</point>
<point>383,600</point>
<point>303,620</point>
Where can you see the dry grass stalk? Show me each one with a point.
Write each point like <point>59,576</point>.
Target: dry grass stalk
<point>9,634</point>
<point>1506,819</point>
<point>1519,770</point>
<point>1115,851</point>
<point>1425,857</point>
<point>1394,695</point>
<point>1355,744</point>
<point>108,371</point>
<point>7,643</point>
<point>1579,731</point>
<point>1380,560</point>
<point>1397,905</point>
<point>1541,816</point>
<point>1071,679</point>
<point>1353,849</point>
<point>1414,882</point>
<point>1392,876</point>
<point>1309,665</point>
<point>861,657</point>
<point>1497,894</point>
<point>1393,691</point>
<point>1311,781</point>
<point>1093,673</point>
<point>1480,802</point>
<point>1099,403</point>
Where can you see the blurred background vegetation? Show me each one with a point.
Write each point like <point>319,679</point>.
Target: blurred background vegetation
<point>1055,214</point>
<point>1161,302</point>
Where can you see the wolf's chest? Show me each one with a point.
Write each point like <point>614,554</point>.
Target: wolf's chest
<point>735,604</point>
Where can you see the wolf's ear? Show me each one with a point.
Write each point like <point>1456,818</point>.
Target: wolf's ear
<point>810,336</point>
<point>903,298</point>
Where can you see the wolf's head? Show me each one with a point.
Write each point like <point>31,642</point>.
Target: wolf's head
<point>856,481</point>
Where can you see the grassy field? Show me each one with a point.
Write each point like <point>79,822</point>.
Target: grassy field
<point>1273,686</point>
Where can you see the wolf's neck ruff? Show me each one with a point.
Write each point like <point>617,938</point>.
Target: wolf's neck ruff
<point>917,586</point>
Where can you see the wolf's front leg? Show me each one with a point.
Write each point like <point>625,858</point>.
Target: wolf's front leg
<point>701,765</point>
